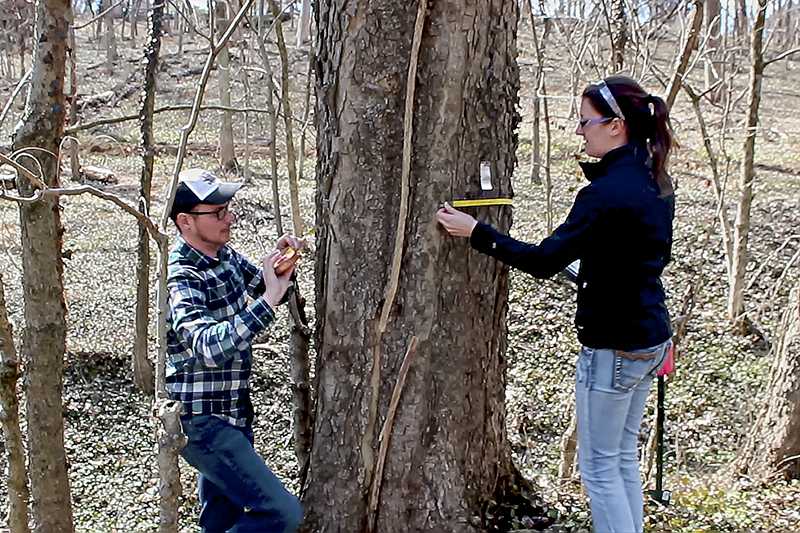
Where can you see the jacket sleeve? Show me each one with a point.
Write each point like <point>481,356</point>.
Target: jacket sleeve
<point>213,342</point>
<point>553,254</point>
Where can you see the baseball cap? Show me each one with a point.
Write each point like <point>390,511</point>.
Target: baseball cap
<point>199,186</point>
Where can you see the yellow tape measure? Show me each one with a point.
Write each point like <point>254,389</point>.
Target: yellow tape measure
<point>480,202</point>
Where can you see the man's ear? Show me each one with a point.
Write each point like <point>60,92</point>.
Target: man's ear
<point>183,221</point>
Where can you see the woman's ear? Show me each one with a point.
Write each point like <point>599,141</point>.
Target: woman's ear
<point>618,127</point>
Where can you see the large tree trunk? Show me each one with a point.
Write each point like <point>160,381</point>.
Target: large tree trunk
<point>44,340</point>
<point>747,174</point>
<point>774,443</point>
<point>448,454</point>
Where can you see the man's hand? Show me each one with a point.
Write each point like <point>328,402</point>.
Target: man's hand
<point>457,223</point>
<point>275,286</point>
<point>287,241</point>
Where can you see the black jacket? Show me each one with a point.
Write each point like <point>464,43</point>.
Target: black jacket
<point>621,230</point>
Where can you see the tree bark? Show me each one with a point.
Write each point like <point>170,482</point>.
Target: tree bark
<point>227,155</point>
<point>110,39</point>
<point>143,370</point>
<point>774,444</point>
<point>448,454</point>
<point>44,340</point>
<point>746,175</point>
<point>713,24</point>
<point>619,34</point>
<point>9,416</point>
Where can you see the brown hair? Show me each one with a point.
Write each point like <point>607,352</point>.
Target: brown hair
<point>647,120</point>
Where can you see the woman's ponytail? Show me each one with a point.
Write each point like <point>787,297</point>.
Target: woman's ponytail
<point>661,142</point>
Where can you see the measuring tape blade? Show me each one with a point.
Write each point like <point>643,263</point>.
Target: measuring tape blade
<point>480,202</point>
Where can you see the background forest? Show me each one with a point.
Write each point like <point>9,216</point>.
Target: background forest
<point>144,89</point>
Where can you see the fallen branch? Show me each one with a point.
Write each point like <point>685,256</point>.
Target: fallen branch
<point>386,433</point>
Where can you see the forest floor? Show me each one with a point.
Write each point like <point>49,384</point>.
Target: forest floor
<point>712,399</point>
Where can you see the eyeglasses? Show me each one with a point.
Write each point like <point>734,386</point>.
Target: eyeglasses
<point>221,213</point>
<point>587,121</point>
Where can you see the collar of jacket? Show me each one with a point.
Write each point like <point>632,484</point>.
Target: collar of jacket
<point>198,258</point>
<point>627,152</point>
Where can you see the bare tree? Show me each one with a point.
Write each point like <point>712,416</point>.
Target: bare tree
<point>143,370</point>
<point>410,417</point>
<point>9,407</point>
<point>44,341</point>
<point>741,227</point>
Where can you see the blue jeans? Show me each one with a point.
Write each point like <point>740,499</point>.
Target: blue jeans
<point>610,397</point>
<point>238,492</point>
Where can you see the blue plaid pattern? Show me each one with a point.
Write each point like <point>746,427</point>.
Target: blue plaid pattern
<point>211,327</point>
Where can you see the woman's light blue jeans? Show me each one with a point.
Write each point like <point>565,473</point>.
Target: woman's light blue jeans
<point>238,492</point>
<point>610,396</point>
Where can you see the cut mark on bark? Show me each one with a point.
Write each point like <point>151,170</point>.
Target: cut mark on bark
<point>397,255</point>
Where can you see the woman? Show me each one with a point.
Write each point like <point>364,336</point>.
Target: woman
<point>620,227</point>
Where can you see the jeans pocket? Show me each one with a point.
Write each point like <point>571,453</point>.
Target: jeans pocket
<point>629,373</point>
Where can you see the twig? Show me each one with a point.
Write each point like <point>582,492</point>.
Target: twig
<point>186,131</point>
<point>98,17</point>
<point>766,261</point>
<point>780,56</point>
<point>177,107</point>
<point>17,90</point>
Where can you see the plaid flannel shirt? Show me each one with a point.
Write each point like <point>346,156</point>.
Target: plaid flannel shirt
<point>211,327</point>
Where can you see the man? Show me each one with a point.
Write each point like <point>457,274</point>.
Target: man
<point>211,329</point>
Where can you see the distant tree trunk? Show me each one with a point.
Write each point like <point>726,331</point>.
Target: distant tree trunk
<point>446,454</point>
<point>619,34</point>
<point>741,18</point>
<point>713,26</point>
<point>143,371</point>
<point>227,155</point>
<point>44,339</point>
<point>74,160</point>
<point>304,26</point>
<point>742,224</point>
<point>110,38</point>
<point>689,46</point>
<point>9,416</point>
<point>774,443</point>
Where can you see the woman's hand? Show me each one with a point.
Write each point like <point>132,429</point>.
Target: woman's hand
<point>457,223</point>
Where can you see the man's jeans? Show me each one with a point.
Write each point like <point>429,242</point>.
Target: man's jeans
<point>238,492</point>
<point>610,397</point>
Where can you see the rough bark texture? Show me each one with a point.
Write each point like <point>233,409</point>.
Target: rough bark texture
<point>741,226</point>
<point>448,452</point>
<point>9,417</point>
<point>44,340</point>
<point>143,371</point>
<point>774,444</point>
<point>619,34</point>
<point>227,154</point>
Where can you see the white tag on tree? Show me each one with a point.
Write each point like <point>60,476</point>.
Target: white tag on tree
<point>486,176</point>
